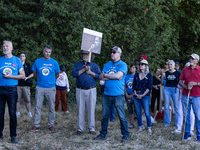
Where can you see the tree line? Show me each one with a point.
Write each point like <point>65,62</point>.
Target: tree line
<point>159,29</point>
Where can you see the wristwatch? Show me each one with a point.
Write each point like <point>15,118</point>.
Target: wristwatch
<point>104,75</point>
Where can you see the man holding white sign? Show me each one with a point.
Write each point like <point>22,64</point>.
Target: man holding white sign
<point>86,74</point>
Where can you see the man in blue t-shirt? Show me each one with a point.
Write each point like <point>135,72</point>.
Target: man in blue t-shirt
<point>45,70</point>
<point>11,70</point>
<point>114,73</point>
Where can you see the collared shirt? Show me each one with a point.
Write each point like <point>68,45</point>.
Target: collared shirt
<point>144,84</point>
<point>115,87</point>
<point>46,72</point>
<point>188,74</point>
<point>9,66</point>
<point>85,80</point>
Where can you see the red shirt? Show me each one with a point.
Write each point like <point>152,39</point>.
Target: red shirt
<point>188,74</point>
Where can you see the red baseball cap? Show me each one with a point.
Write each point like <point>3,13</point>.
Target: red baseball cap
<point>144,57</point>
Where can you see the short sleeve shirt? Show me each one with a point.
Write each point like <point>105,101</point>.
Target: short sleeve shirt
<point>46,72</point>
<point>9,66</point>
<point>188,74</point>
<point>115,87</point>
<point>172,79</point>
<point>129,84</point>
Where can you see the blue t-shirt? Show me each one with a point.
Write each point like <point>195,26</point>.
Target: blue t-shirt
<point>115,87</point>
<point>46,72</point>
<point>9,66</point>
<point>129,84</point>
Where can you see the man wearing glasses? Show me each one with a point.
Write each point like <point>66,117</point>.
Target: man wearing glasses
<point>114,73</point>
<point>191,77</point>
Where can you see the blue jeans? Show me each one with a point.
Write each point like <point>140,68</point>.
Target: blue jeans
<point>195,103</point>
<point>112,113</point>
<point>9,95</point>
<point>169,92</point>
<point>118,102</point>
<point>144,102</point>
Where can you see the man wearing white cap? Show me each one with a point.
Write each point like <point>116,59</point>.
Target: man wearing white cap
<point>114,73</point>
<point>86,75</point>
<point>191,76</point>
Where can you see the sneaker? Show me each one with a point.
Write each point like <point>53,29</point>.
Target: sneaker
<point>34,129</point>
<point>100,137</point>
<point>176,131</point>
<point>51,129</point>
<point>187,136</point>
<point>198,138</point>
<point>125,139</point>
<point>30,115</point>
<point>149,131</point>
<point>17,114</point>
<point>131,126</point>
<point>143,127</point>
<point>166,126</point>
<point>67,112</point>
<point>191,132</point>
<point>140,130</point>
<point>153,121</point>
<point>112,120</point>
<point>14,140</point>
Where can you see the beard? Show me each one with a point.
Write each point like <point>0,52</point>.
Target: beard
<point>85,59</point>
<point>6,52</point>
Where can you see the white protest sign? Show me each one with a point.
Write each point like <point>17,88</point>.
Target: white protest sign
<point>91,41</point>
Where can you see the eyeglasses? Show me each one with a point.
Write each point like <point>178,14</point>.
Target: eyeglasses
<point>114,52</point>
<point>192,58</point>
<point>142,64</point>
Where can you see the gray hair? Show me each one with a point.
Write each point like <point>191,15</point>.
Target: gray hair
<point>47,47</point>
<point>8,41</point>
<point>171,61</point>
<point>146,70</point>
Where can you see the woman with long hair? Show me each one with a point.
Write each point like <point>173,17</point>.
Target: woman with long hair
<point>142,86</point>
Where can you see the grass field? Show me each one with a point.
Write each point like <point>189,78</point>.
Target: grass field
<point>65,137</point>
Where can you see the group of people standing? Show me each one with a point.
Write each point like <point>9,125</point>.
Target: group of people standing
<point>119,87</point>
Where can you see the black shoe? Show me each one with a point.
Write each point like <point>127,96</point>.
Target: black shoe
<point>14,140</point>
<point>100,137</point>
<point>1,138</point>
<point>125,139</point>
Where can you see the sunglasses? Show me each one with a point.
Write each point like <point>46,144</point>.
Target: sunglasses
<point>166,63</point>
<point>114,52</point>
<point>192,58</point>
<point>142,64</point>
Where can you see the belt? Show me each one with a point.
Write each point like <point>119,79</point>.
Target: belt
<point>6,87</point>
<point>138,91</point>
<point>87,88</point>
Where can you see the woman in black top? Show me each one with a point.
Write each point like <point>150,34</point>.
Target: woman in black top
<point>171,91</point>
<point>156,90</point>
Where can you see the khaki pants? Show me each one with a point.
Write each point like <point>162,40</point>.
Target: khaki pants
<point>49,94</point>
<point>86,99</point>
